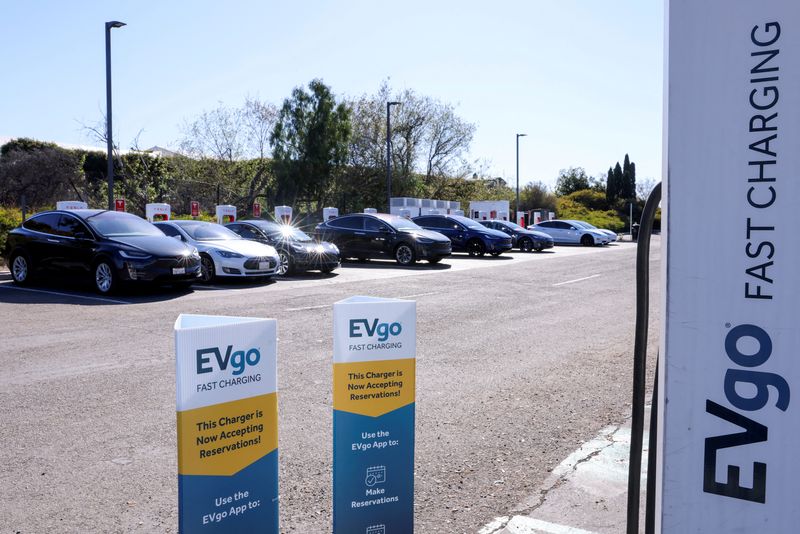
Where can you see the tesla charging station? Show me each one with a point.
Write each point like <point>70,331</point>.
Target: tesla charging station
<point>283,214</point>
<point>226,214</point>
<point>71,205</point>
<point>329,213</point>
<point>157,212</point>
<point>729,420</point>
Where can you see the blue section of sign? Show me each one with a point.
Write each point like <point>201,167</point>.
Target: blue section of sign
<point>245,502</point>
<point>373,472</point>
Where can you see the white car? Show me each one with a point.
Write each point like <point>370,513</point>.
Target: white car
<point>222,252</point>
<point>567,232</point>
<point>612,236</point>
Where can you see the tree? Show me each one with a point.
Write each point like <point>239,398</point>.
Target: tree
<point>628,184</point>
<point>536,195</point>
<point>612,187</point>
<point>310,141</point>
<point>644,187</point>
<point>228,153</point>
<point>43,173</point>
<point>571,180</point>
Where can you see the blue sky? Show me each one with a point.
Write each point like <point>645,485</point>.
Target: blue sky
<point>582,78</point>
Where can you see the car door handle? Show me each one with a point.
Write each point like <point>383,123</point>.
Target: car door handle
<point>360,233</point>
<point>53,240</point>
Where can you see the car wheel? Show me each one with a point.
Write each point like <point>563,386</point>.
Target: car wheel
<point>404,254</point>
<point>286,263</point>
<point>434,261</point>
<point>476,248</point>
<point>207,269</point>
<point>105,280</point>
<point>586,240</point>
<point>525,245</point>
<point>20,268</point>
<point>538,248</point>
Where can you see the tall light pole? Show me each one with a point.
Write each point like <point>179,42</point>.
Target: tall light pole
<point>109,141</point>
<point>516,208</point>
<point>389,155</point>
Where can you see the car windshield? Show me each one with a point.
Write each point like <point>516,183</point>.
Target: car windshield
<point>206,231</point>
<point>283,231</point>
<point>399,223</point>
<point>466,221</point>
<point>581,224</point>
<point>513,226</point>
<point>118,224</point>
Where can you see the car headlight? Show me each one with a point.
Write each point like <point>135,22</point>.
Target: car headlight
<point>195,253</point>
<point>335,248</point>
<point>298,247</point>
<point>228,254</point>
<point>134,255</point>
<point>424,240</point>
<point>490,236</point>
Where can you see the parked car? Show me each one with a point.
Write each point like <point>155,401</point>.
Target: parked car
<point>467,235</point>
<point>526,240</point>
<point>612,236</point>
<point>222,252</point>
<point>371,235</point>
<point>108,246</point>
<point>566,232</point>
<point>297,250</point>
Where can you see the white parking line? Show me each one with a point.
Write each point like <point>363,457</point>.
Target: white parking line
<point>528,525</point>
<point>308,308</point>
<point>576,280</point>
<point>418,295</point>
<point>101,299</point>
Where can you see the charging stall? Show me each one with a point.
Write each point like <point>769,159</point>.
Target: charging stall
<point>370,210</point>
<point>157,212</point>
<point>730,371</point>
<point>71,205</point>
<point>283,214</point>
<point>226,214</point>
<point>329,213</point>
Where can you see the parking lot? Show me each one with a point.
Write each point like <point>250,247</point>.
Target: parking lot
<point>521,358</point>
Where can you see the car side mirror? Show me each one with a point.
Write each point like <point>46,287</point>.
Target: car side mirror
<point>177,237</point>
<point>572,228</point>
<point>82,235</point>
<point>384,230</point>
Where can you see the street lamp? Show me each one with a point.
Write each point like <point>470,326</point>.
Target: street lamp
<point>389,155</point>
<point>109,25</point>
<point>516,208</point>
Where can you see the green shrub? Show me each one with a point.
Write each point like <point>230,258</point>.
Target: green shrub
<point>609,219</point>
<point>10,218</point>
<point>593,200</point>
<point>208,217</point>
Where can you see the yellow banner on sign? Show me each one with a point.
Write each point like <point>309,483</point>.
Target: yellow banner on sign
<point>223,439</point>
<point>373,388</point>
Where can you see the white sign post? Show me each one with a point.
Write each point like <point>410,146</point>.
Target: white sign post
<point>227,403</point>
<point>374,368</point>
<point>730,425</point>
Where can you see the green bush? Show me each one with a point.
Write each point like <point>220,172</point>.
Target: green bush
<point>10,218</point>
<point>208,217</point>
<point>593,200</point>
<point>609,219</point>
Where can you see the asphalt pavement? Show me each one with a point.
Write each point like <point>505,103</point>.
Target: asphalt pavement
<point>522,360</point>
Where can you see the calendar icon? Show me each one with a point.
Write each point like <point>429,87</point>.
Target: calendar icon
<point>375,475</point>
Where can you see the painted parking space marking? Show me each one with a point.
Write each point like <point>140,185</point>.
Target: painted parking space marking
<point>576,280</point>
<point>528,525</point>
<point>73,295</point>
<point>308,308</point>
<point>418,295</point>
